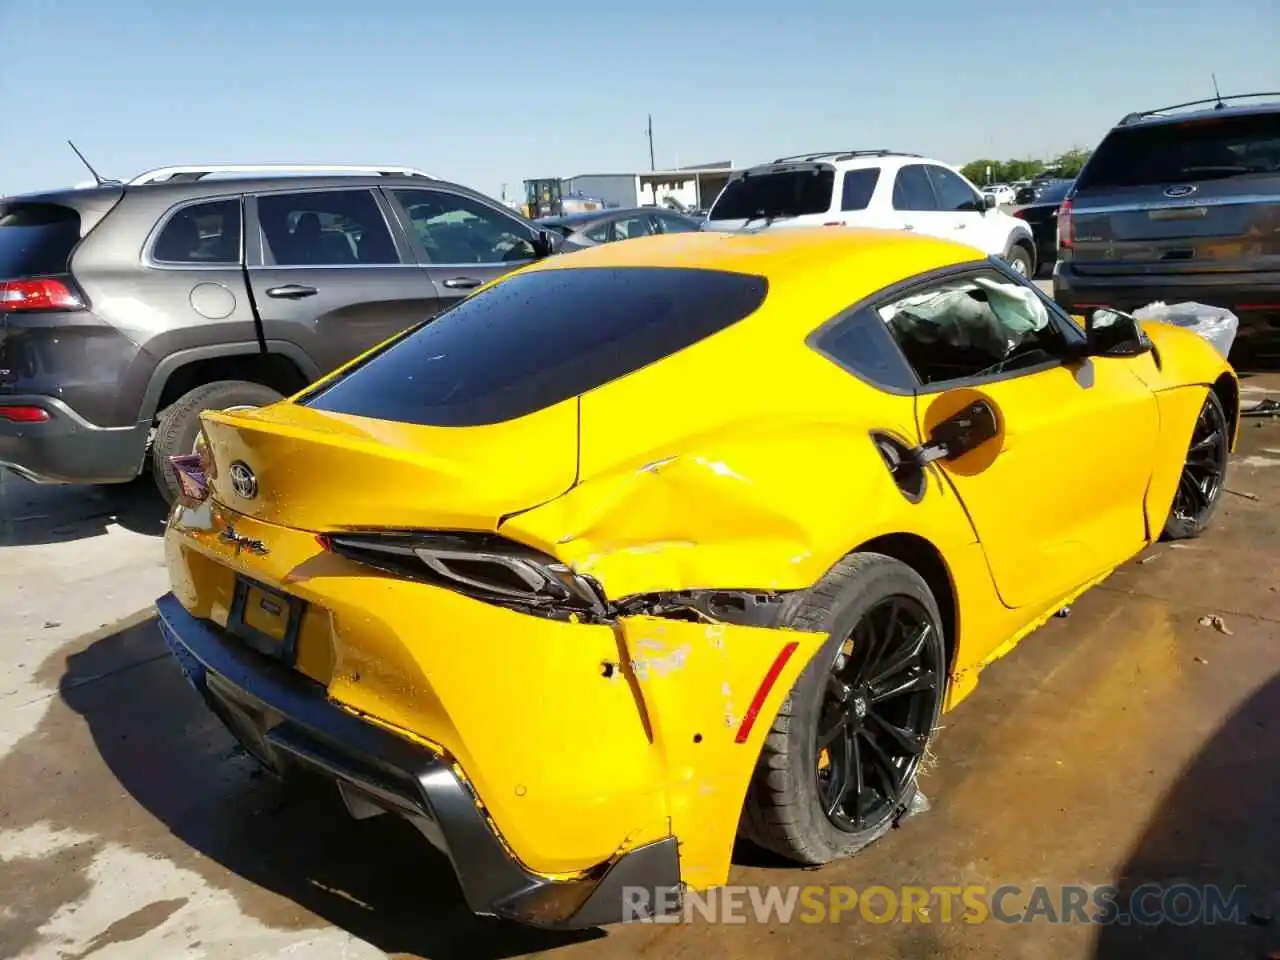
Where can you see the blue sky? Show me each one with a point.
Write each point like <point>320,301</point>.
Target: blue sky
<point>494,92</point>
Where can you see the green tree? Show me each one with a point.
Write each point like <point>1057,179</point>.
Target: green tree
<point>1072,161</point>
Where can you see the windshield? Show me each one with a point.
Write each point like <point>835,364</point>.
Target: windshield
<point>1202,149</point>
<point>783,193</point>
<point>535,339</point>
<point>36,238</point>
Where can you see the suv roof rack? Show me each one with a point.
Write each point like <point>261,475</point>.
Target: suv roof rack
<point>1220,103</point>
<point>192,173</point>
<point>845,155</point>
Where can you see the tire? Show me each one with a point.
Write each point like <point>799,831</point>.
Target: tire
<point>1204,474</point>
<point>1021,261</point>
<point>785,810</point>
<point>180,423</point>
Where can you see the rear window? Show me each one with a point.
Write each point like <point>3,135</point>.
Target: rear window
<point>536,339</point>
<point>1054,192</point>
<point>785,193</point>
<point>1202,149</point>
<point>36,238</point>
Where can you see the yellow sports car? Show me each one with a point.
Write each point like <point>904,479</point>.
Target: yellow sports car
<point>696,535</point>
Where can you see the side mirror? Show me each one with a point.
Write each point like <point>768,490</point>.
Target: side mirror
<point>959,433</point>
<point>548,242</point>
<point>1110,333</point>
<point>988,201</point>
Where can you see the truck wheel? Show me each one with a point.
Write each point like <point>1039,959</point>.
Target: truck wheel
<point>1020,260</point>
<point>180,423</point>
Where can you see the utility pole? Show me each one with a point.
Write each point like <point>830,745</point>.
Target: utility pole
<point>652,165</point>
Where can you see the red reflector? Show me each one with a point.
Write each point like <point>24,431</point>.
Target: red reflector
<point>324,541</point>
<point>189,472</point>
<point>766,685</point>
<point>24,414</point>
<point>1020,214</point>
<point>1066,231</point>
<point>18,295</point>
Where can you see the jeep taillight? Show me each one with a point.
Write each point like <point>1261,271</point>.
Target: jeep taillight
<point>193,471</point>
<point>1066,234</point>
<point>39,294</point>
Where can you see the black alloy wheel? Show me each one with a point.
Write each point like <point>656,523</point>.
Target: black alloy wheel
<point>881,700</point>
<point>1204,472</point>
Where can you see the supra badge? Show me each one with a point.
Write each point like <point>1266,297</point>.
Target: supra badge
<point>243,481</point>
<point>242,543</point>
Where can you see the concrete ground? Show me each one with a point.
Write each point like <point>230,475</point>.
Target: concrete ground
<point>1126,743</point>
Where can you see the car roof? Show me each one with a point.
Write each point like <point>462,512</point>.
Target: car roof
<point>778,254</point>
<point>1156,118</point>
<point>221,186</point>
<point>609,213</point>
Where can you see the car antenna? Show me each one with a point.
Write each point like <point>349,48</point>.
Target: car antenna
<point>1217,93</point>
<point>97,179</point>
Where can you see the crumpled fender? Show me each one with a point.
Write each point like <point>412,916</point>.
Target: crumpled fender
<point>748,506</point>
<point>1182,358</point>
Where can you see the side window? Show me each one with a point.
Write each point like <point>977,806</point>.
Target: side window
<point>456,229</point>
<point>954,195</point>
<point>600,232</point>
<point>202,233</point>
<point>628,228</point>
<point>858,187</point>
<point>861,344</point>
<point>670,224</point>
<point>911,189</point>
<point>977,326</point>
<point>325,228</point>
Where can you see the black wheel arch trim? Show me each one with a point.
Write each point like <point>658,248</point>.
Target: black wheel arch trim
<point>180,358</point>
<point>414,780</point>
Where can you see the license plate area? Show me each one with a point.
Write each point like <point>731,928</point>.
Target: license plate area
<point>266,620</point>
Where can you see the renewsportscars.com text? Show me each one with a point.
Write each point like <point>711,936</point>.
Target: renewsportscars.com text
<point>1149,904</point>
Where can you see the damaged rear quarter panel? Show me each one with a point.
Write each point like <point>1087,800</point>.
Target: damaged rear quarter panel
<point>696,682</point>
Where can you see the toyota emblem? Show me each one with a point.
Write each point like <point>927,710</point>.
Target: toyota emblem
<point>1180,190</point>
<point>243,482</point>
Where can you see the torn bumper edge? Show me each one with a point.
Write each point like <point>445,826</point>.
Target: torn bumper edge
<point>279,715</point>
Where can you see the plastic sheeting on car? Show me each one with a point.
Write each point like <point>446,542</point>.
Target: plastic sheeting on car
<point>1215,324</point>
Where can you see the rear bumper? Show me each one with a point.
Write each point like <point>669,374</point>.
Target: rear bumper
<point>1254,297</point>
<point>281,717</point>
<point>66,448</point>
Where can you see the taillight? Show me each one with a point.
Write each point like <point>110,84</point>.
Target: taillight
<point>24,414</point>
<point>42,294</point>
<point>1065,233</point>
<point>1020,214</point>
<point>482,566</point>
<point>193,471</point>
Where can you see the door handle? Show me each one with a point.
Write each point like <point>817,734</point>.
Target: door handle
<point>292,291</point>
<point>961,226</point>
<point>462,283</point>
<point>909,226</point>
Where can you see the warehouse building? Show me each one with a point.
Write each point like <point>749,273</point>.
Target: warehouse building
<point>689,187</point>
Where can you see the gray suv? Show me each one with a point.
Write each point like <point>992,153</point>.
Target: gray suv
<point>126,309</point>
<point>1176,204</point>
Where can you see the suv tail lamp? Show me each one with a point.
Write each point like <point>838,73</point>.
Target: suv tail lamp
<point>483,566</point>
<point>1066,234</point>
<point>24,414</point>
<point>41,294</point>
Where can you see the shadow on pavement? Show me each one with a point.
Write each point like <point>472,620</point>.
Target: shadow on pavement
<point>32,513</point>
<point>378,879</point>
<point>1203,834</point>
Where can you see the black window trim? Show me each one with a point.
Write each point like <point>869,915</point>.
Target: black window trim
<point>405,223</point>
<point>255,255</point>
<point>148,259</point>
<point>970,268</point>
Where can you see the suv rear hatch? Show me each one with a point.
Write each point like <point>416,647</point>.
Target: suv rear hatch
<point>1188,196</point>
<point>772,195</point>
<point>38,235</point>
